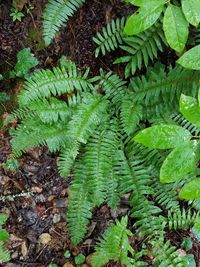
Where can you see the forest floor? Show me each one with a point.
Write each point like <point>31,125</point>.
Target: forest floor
<point>35,195</point>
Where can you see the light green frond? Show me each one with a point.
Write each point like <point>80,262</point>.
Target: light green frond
<point>4,253</point>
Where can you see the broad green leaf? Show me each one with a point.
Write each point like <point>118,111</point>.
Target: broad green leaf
<point>3,218</point>
<point>147,16</point>
<point>136,2</point>
<point>3,235</point>
<point>175,28</point>
<point>191,59</point>
<point>191,10</point>
<point>190,260</point>
<point>163,136</point>
<point>178,163</point>
<point>190,109</point>
<point>191,190</point>
<point>25,61</point>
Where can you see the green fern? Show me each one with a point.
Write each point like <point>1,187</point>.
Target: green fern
<point>56,13</point>
<point>4,253</point>
<point>142,48</point>
<point>89,114</point>
<point>110,38</point>
<point>166,255</point>
<point>166,88</point>
<point>180,219</point>
<point>114,245</point>
<point>46,83</point>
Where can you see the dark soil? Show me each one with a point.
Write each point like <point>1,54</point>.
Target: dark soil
<point>35,196</point>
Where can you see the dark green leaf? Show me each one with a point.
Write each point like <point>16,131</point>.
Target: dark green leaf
<point>3,235</point>
<point>175,27</point>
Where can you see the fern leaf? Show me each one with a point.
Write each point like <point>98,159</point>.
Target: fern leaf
<point>142,48</point>
<point>180,219</point>
<point>4,253</point>
<point>131,114</point>
<point>114,245</point>
<point>83,123</point>
<point>164,87</point>
<point>166,255</point>
<point>49,111</point>
<point>79,206</point>
<point>110,38</point>
<point>114,87</point>
<point>46,83</point>
<point>29,135</point>
<point>56,14</point>
<point>98,156</point>
<point>165,194</point>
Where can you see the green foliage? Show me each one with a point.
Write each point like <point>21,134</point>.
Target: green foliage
<point>16,15</point>
<point>114,245</point>
<point>4,253</point>
<point>175,23</point>
<point>190,59</point>
<point>110,38</point>
<point>79,259</point>
<point>56,14</point>
<point>4,97</point>
<point>25,61</point>
<point>142,48</point>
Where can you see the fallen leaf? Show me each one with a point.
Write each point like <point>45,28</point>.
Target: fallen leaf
<point>44,238</point>
<point>24,249</point>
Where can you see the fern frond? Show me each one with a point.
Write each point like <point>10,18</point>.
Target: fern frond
<point>182,219</point>
<point>49,111</point>
<point>142,48</point>
<point>33,132</point>
<point>110,38</point>
<point>98,157</point>
<point>131,114</point>
<point>88,115</point>
<point>113,86</point>
<point>4,253</point>
<point>165,87</point>
<point>166,255</point>
<point>46,83</point>
<point>79,207</point>
<point>56,14</point>
<point>181,121</point>
<point>114,245</point>
<point>165,194</point>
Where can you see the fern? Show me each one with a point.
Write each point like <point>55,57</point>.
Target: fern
<point>114,245</point>
<point>79,206</point>
<point>110,38</point>
<point>180,219</point>
<point>4,253</point>
<point>166,255</point>
<point>56,13</point>
<point>85,119</point>
<point>165,88</point>
<point>46,83</point>
<point>142,48</point>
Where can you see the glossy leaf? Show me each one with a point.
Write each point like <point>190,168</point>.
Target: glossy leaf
<point>147,16</point>
<point>136,2</point>
<point>178,163</point>
<point>191,59</point>
<point>163,136</point>
<point>191,190</point>
<point>190,109</point>
<point>191,10</point>
<point>175,28</point>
